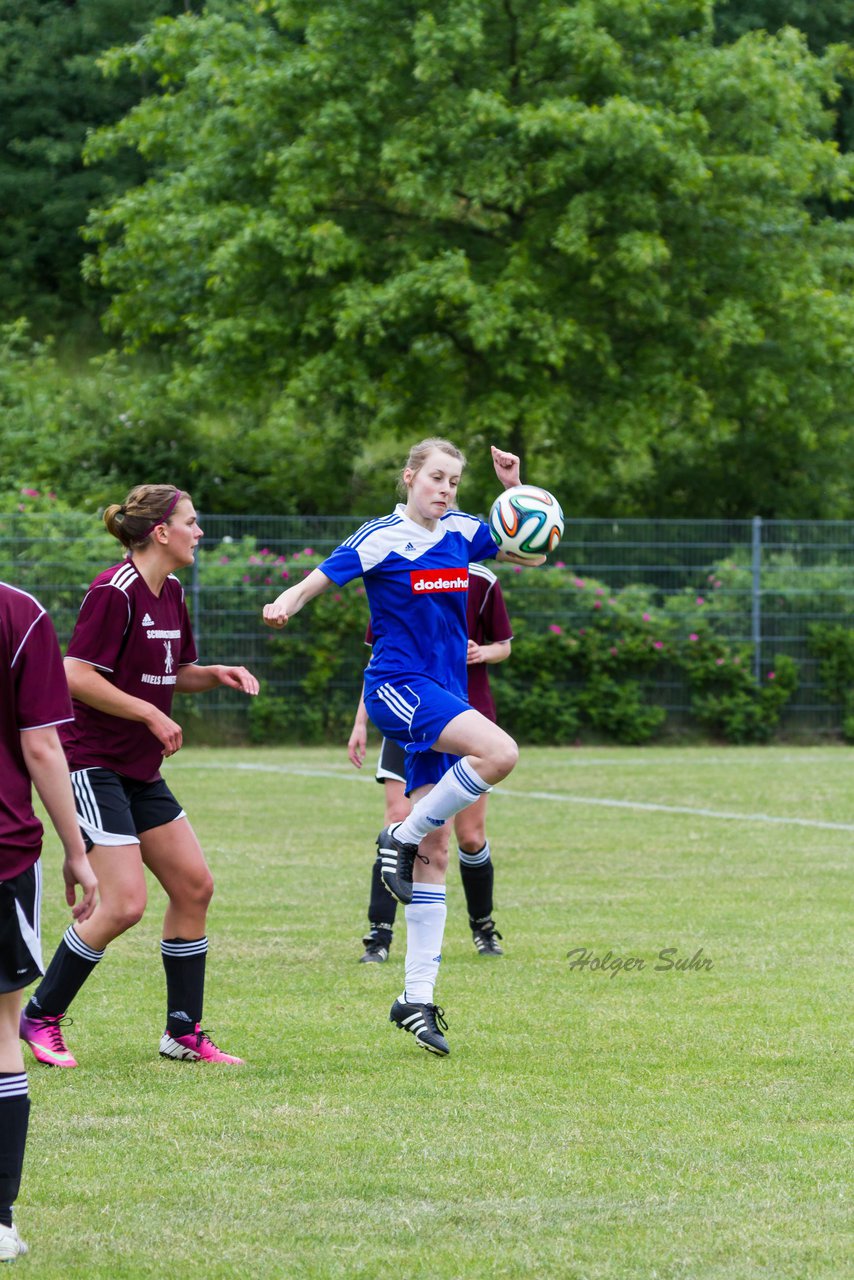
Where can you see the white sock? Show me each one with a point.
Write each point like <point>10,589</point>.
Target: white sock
<point>455,790</point>
<point>425,929</point>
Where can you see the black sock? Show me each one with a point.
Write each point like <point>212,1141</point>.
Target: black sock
<point>184,963</point>
<point>14,1115</point>
<point>72,963</point>
<point>382,907</point>
<point>478,875</point>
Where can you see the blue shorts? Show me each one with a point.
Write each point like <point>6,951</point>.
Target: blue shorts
<point>416,768</point>
<point>413,710</point>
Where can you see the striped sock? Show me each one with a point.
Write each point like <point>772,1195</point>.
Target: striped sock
<point>478,875</point>
<point>184,963</point>
<point>14,1117</point>
<point>72,963</point>
<point>455,790</point>
<point>425,929</point>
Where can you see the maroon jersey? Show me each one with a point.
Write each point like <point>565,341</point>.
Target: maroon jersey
<point>488,623</point>
<point>137,640</point>
<point>33,695</point>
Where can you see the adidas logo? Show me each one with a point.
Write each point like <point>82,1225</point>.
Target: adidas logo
<point>148,621</point>
<point>409,547</point>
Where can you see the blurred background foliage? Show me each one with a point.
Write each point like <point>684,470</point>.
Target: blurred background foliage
<point>257,248</point>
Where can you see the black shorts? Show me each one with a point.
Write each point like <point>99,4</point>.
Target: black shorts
<point>20,930</point>
<point>114,810</point>
<point>391,764</point>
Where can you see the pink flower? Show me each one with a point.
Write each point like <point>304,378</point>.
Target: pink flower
<point>559,564</point>
<point>246,577</point>
<point>555,629</point>
<point>360,591</point>
<point>253,560</point>
<point>597,604</point>
<point>611,600</point>
<point>647,618</point>
<point>223,559</point>
<point>693,636</point>
<point>265,551</point>
<point>306,572</point>
<point>285,573</point>
<point>719,662</point>
<point>600,591</point>
<point>517,568</point>
<point>772,675</point>
<point>281,559</point>
<point>700,600</point>
<point>579,582</point>
<point>295,556</point>
<point>30,493</point>
<point>337,597</point>
<point>268,581</point>
<point>51,495</point>
<point>659,644</point>
<point>581,631</point>
<point>717,583</point>
<point>612,651</point>
<point>307,551</point>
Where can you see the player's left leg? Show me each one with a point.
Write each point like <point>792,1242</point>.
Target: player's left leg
<point>382,907</point>
<point>478,875</point>
<point>173,854</point>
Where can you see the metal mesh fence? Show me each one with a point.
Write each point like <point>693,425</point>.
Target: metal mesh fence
<point>767,581</point>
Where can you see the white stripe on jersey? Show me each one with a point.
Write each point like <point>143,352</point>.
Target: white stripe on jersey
<point>123,576</point>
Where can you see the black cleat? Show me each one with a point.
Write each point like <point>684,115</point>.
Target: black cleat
<point>396,863</point>
<point>425,1021</point>
<point>484,934</point>
<point>377,944</point>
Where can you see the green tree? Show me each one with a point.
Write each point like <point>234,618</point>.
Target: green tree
<point>51,93</point>
<point>583,230</point>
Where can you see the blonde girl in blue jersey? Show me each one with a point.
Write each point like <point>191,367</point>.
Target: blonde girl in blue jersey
<point>414,564</point>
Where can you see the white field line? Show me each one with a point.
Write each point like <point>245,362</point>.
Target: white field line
<point>553,797</point>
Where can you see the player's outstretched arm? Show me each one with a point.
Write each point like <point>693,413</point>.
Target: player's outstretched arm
<point>45,761</point>
<point>195,679</point>
<point>292,600</point>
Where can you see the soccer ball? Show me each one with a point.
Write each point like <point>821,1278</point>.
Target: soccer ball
<point>526,520</point>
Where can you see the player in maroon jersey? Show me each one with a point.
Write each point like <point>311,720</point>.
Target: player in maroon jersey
<point>131,650</point>
<point>490,634</point>
<point>33,701</point>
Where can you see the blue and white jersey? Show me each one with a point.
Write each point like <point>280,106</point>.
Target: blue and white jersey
<point>416,581</point>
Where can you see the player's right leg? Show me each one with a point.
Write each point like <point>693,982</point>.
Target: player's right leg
<point>14,1099</point>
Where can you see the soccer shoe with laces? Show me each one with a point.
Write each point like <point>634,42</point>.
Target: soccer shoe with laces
<point>11,1244</point>
<point>425,1021</point>
<point>484,934</point>
<point>196,1047</point>
<point>377,944</point>
<point>45,1038</point>
<point>396,862</point>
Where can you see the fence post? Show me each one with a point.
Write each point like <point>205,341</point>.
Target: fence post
<point>756,597</point>
<point>196,595</point>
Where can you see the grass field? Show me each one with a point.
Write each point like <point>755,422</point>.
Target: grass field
<point>652,1124</point>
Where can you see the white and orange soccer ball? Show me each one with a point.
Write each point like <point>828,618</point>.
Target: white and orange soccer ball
<point>526,520</point>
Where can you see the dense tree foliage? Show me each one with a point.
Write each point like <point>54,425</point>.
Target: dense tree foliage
<point>584,230</point>
<point>51,93</point>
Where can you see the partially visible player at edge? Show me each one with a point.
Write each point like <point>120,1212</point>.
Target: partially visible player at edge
<point>132,648</point>
<point>490,636</point>
<point>33,701</point>
<point>415,566</point>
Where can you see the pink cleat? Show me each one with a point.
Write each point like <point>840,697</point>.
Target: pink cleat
<point>45,1038</point>
<point>196,1047</point>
